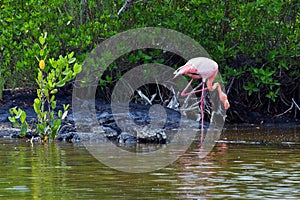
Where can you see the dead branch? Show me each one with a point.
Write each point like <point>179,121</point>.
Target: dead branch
<point>173,103</point>
<point>230,85</point>
<point>144,97</point>
<point>295,104</point>
<point>127,5</point>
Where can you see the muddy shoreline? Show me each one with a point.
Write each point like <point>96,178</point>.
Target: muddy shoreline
<point>24,99</point>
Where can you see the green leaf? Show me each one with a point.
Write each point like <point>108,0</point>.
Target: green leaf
<point>77,68</point>
<point>37,101</point>
<point>39,93</point>
<point>12,119</point>
<point>57,72</point>
<point>11,111</point>
<point>16,125</point>
<point>42,40</point>
<point>67,72</point>
<point>37,106</point>
<point>40,76</point>
<point>50,84</point>
<point>54,91</point>
<point>60,84</point>
<point>19,113</point>
<point>53,104</point>
<point>42,52</point>
<point>53,63</point>
<point>147,57</point>
<point>15,111</point>
<point>52,98</point>
<point>23,130</point>
<point>51,116</point>
<point>59,114</point>
<point>72,60</point>
<point>57,123</point>
<point>54,128</point>
<point>23,117</point>
<point>41,127</point>
<point>66,107</point>
<point>71,55</point>
<point>45,91</point>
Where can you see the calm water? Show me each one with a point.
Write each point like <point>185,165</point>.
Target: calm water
<point>235,169</point>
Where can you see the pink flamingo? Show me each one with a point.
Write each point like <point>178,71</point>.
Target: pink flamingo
<point>206,69</point>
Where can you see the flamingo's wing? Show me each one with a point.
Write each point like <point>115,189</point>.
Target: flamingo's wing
<point>205,66</point>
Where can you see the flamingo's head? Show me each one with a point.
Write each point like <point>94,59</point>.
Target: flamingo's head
<point>185,70</point>
<point>226,104</point>
<point>224,100</point>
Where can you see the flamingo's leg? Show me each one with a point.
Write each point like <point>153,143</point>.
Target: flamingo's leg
<point>184,93</point>
<point>202,111</point>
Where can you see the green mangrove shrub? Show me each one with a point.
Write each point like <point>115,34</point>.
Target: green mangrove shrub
<point>52,75</point>
<point>2,81</point>
<point>72,25</point>
<point>256,43</point>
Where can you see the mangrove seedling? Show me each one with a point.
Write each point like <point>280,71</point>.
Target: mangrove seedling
<point>51,75</point>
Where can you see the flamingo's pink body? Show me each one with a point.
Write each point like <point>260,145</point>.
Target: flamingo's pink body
<point>206,69</point>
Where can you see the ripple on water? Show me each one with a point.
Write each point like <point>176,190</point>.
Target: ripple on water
<point>231,171</point>
<point>19,188</point>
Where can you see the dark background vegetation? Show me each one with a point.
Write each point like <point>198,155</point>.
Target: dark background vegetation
<point>256,43</point>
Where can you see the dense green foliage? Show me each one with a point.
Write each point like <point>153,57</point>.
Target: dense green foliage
<point>67,26</point>
<point>256,43</point>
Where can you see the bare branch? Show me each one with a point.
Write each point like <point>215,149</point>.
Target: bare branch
<point>295,104</point>
<point>144,97</point>
<point>127,5</point>
<point>230,85</point>
<point>173,103</point>
<point>285,111</point>
<point>153,97</point>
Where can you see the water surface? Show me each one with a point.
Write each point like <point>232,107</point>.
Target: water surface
<point>237,168</point>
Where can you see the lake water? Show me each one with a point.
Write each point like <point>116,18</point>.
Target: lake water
<point>242,165</point>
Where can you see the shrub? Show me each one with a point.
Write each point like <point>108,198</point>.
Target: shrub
<point>51,76</point>
<point>256,43</point>
<point>72,27</point>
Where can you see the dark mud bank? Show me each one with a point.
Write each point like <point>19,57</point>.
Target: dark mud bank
<point>141,132</point>
<point>139,117</point>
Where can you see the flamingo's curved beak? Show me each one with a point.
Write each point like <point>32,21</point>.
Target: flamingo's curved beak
<point>185,69</point>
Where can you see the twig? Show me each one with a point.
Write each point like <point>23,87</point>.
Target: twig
<point>127,5</point>
<point>230,85</point>
<point>152,97</point>
<point>293,103</point>
<point>144,97</point>
<point>191,107</point>
<point>124,7</point>
<point>159,93</point>
<point>173,103</point>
